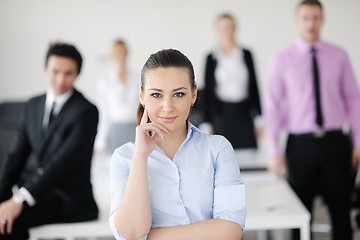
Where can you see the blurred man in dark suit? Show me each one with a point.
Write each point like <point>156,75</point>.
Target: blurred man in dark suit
<point>46,176</point>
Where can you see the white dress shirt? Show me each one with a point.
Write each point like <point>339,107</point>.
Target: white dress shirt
<point>59,101</point>
<point>232,76</point>
<point>117,103</point>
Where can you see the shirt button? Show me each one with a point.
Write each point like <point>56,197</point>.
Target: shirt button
<point>40,171</point>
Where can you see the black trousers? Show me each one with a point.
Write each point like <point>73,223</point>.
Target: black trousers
<point>44,212</point>
<point>322,165</point>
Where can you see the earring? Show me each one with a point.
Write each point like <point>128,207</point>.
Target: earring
<point>192,104</point>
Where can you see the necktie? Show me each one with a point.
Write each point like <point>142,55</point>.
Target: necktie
<point>52,115</point>
<point>319,117</point>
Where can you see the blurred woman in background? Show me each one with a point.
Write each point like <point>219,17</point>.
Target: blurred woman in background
<point>231,101</point>
<point>117,98</point>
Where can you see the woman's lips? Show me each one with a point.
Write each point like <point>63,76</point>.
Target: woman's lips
<point>168,119</point>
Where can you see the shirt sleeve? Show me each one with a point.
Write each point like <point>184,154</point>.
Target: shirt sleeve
<point>116,234</point>
<point>119,173</point>
<point>23,193</point>
<point>229,192</point>
<point>273,106</point>
<point>351,95</point>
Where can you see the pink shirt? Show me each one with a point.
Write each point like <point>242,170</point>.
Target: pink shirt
<point>290,102</point>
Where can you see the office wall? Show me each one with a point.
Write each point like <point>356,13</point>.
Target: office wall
<point>265,26</point>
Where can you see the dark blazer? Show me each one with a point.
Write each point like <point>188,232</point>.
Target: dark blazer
<point>212,105</point>
<point>56,162</point>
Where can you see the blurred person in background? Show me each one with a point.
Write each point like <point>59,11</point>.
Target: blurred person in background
<point>312,94</point>
<point>231,101</point>
<point>117,98</point>
<point>46,175</point>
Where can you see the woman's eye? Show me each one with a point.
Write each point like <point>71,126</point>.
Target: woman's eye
<point>156,95</point>
<point>180,94</point>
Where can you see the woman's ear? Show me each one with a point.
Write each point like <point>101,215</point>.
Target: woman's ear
<point>141,97</point>
<point>194,95</point>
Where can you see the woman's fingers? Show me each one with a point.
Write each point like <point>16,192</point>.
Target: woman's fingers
<point>144,121</point>
<point>152,126</point>
<point>151,129</point>
<point>144,118</point>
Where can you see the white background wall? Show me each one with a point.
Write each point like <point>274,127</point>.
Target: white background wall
<point>266,26</point>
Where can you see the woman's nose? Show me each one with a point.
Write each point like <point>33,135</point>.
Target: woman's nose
<point>167,104</point>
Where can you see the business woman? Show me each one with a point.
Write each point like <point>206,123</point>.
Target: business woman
<point>175,182</point>
<point>231,98</point>
<point>117,98</point>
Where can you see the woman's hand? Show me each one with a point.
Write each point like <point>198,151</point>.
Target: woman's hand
<point>147,135</point>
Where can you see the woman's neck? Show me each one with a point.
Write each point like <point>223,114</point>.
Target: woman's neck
<point>228,47</point>
<point>122,73</point>
<point>172,143</point>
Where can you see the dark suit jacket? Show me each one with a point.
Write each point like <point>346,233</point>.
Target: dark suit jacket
<point>56,162</point>
<point>212,105</point>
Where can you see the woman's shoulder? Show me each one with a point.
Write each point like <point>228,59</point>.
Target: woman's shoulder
<point>211,56</point>
<point>212,140</point>
<point>123,154</point>
<point>213,146</point>
<point>246,52</point>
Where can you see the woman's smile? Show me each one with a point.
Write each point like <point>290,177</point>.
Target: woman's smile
<point>168,119</point>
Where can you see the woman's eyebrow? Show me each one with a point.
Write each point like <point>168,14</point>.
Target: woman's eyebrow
<point>155,89</point>
<point>180,88</point>
<point>174,90</point>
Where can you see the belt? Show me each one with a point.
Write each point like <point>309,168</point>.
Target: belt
<point>318,134</point>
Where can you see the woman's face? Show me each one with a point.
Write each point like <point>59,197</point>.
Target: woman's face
<point>119,54</point>
<point>168,96</point>
<point>225,30</point>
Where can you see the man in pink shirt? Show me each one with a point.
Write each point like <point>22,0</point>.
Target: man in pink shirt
<point>312,95</point>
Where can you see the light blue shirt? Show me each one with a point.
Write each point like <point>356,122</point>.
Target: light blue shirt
<point>202,182</point>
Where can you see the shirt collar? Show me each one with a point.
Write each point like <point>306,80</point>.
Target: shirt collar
<point>191,129</point>
<point>59,99</point>
<point>305,47</point>
<point>218,54</point>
